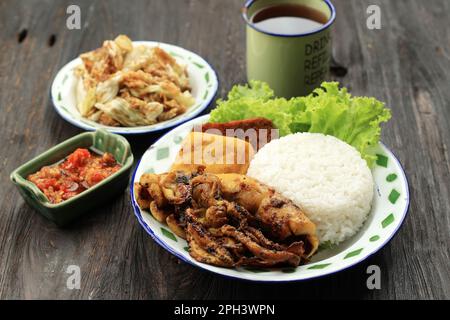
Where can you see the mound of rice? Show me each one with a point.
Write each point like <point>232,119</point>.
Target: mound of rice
<point>324,176</point>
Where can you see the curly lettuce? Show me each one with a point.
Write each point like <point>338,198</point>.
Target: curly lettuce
<point>329,110</point>
<point>251,101</point>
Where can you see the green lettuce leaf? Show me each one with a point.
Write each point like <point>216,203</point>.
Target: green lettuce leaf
<point>255,100</point>
<point>256,90</point>
<point>328,110</point>
<point>333,111</point>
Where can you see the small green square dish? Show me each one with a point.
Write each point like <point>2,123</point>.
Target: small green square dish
<point>68,210</point>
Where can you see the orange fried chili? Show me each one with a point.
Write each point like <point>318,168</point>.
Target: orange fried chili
<point>79,171</point>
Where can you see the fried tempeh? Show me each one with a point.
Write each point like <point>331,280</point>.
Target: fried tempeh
<point>239,129</point>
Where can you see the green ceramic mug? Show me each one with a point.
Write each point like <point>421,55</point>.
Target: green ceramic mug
<point>292,64</point>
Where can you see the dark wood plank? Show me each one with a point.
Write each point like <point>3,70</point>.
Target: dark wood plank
<point>406,64</point>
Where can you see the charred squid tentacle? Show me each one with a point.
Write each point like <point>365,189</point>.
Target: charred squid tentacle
<point>277,257</point>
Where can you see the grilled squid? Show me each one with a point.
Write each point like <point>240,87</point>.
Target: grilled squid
<point>229,220</point>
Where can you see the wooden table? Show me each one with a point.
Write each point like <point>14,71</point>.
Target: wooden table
<point>406,64</point>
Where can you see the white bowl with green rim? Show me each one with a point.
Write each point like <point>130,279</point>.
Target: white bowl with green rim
<point>202,77</point>
<point>389,209</point>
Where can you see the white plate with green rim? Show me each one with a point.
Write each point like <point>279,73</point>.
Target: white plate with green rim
<point>389,209</point>
<point>202,77</point>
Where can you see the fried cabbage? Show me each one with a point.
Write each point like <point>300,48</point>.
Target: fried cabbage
<point>121,84</point>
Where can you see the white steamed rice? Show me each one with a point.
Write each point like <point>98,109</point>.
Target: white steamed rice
<point>323,175</point>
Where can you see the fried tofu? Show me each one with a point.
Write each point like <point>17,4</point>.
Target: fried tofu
<point>213,154</point>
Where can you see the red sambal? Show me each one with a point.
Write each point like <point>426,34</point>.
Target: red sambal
<point>79,171</point>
